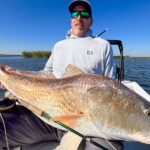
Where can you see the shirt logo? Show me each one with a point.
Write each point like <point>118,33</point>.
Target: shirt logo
<point>89,52</point>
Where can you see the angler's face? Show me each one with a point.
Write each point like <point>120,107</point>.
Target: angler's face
<point>80,22</point>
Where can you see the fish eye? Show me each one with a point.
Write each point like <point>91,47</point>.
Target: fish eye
<point>146,112</point>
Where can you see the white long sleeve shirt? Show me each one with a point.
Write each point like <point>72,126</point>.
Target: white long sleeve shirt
<point>92,55</point>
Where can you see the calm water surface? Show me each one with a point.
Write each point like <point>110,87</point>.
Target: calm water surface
<point>135,70</point>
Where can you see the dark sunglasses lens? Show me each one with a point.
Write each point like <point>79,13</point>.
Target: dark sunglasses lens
<point>85,14</point>
<point>74,14</point>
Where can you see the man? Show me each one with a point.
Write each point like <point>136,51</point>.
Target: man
<point>81,48</point>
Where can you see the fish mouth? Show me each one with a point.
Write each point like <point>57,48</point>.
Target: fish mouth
<point>145,140</point>
<point>142,138</point>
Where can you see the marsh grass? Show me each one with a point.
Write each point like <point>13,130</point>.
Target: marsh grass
<point>36,54</point>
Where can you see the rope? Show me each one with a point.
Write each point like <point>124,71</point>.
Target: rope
<point>5,131</point>
<point>45,115</point>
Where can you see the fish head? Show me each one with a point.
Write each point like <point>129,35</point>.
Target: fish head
<point>118,112</point>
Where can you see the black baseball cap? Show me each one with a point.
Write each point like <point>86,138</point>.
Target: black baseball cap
<point>84,3</point>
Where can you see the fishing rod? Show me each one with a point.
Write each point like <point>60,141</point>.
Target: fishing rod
<point>119,70</point>
<point>105,30</point>
<point>45,115</point>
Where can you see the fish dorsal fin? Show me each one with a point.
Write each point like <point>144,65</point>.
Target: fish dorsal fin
<point>72,70</point>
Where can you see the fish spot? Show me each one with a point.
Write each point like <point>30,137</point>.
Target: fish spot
<point>81,113</point>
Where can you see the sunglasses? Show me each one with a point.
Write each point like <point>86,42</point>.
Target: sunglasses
<point>83,14</point>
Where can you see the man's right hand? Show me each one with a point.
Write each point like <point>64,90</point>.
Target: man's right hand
<point>1,85</point>
<point>7,68</point>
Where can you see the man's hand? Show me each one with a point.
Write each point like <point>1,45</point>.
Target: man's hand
<point>7,68</point>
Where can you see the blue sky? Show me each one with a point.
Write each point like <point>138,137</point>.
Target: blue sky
<point>39,24</point>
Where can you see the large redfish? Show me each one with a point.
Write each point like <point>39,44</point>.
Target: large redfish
<point>93,105</point>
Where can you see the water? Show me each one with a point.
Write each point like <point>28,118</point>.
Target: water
<point>138,70</point>
<point>24,63</point>
<point>34,64</point>
<point>135,70</point>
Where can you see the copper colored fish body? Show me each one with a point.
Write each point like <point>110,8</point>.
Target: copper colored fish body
<point>93,105</point>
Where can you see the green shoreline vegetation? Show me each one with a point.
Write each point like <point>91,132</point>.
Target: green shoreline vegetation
<point>36,54</point>
<point>46,54</point>
<point>133,57</point>
<point>43,54</point>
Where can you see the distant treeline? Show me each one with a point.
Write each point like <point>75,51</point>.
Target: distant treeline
<point>9,55</point>
<point>135,57</point>
<point>36,54</point>
<point>123,56</point>
<point>46,54</point>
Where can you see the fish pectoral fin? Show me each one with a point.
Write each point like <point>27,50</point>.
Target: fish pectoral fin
<point>67,120</point>
<point>72,70</point>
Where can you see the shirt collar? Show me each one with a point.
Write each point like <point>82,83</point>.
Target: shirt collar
<point>71,36</point>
